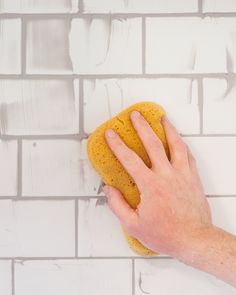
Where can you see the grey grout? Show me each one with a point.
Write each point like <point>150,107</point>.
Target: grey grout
<point>13,276</point>
<point>23,46</point>
<point>114,15</point>
<point>200,4</point>
<point>133,276</point>
<point>118,76</point>
<point>86,257</point>
<point>19,167</point>
<point>80,198</point>
<point>76,227</point>
<point>143,45</point>
<point>81,6</point>
<point>200,103</point>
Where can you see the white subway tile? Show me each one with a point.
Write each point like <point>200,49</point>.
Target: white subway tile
<point>216,160</point>
<point>219,5</point>
<point>106,46</point>
<point>223,213</point>
<point>5,277</point>
<point>38,6</point>
<point>57,168</point>
<point>110,96</point>
<point>219,106</point>
<point>168,276</point>
<point>99,231</point>
<point>72,277</point>
<point>10,46</point>
<point>31,107</point>
<point>140,6</point>
<point>8,168</point>
<point>37,228</point>
<point>48,46</point>
<point>189,45</point>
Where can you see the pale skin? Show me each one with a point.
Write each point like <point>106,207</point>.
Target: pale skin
<point>173,216</point>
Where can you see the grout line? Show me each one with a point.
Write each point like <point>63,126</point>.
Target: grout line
<point>118,76</point>
<point>86,258</point>
<point>76,227</point>
<point>83,198</point>
<point>143,45</point>
<point>19,168</point>
<point>81,109</point>
<point>200,10</point>
<point>81,6</point>
<point>80,14</point>
<point>133,276</point>
<point>200,103</point>
<point>23,46</point>
<point>13,276</point>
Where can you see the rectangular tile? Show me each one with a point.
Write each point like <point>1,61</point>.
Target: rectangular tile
<point>223,212</point>
<point>99,231</point>
<point>5,277</point>
<point>190,45</point>
<point>38,6</point>
<point>34,107</point>
<point>117,42</point>
<point>110,96</point>
<point>8,168</point>
<point>154,277</point>
<point>140,6</point>
<point>84,277</point>
<point>219,6</point>
<point>10,46</point>
<point>48,46</point>
<point>219,106</point>
<point>37,228</point>
<point>57,168</point>
<point>216,161</point>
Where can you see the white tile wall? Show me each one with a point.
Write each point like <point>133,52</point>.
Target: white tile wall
<point>219,106</point>
<point>37,228</point>
<point>140,6</point>
<point>65,67</point>
<point>10,46</point>
<point>110,96</point>
<point>115,39</point>
<point>84,277</point>
<point>172,277</point>
<point>38,6</point>
<point>5,277</point>
<point>34,107</point>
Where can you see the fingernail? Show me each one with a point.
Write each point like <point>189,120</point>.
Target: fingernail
<point>110,133</point>
<point>135,114</point>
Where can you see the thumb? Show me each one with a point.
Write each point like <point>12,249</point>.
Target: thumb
<point>127,215</point>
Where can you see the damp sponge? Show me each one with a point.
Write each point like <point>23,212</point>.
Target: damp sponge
<point>108,166</point>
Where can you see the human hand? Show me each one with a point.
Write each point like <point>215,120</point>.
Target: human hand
<point>173,209</point>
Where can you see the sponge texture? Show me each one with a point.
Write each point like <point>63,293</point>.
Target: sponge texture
<point>109,167</point>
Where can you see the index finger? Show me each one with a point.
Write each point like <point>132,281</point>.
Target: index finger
<point>133,164</point>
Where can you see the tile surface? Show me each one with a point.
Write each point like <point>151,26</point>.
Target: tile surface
<point>110,96</point>
<point>63,277</point>
<point>140,6</point>
<point>5,277</point>
<point>115,39</point>
<point>219,6</point>
<point>10,46</point>
<point>154,276</point>
<point>36,228</point>
<point>30,107</point>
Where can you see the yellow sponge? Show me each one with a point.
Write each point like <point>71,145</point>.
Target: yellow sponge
<point>108,166</point>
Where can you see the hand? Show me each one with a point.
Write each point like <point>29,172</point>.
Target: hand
<point>173,209</point>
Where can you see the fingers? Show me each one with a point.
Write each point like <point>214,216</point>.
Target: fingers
<point>192,161</point>
<point>127,216</point>
<point>151,142</point>
<point>128,158</point>
<point>177,147</point>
